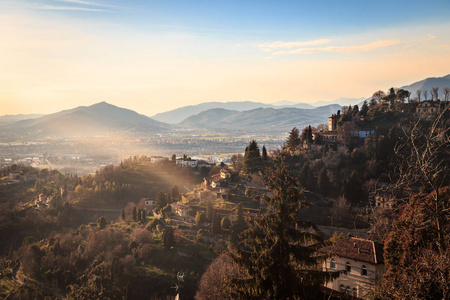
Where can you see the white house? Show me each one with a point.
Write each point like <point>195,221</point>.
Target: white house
<point>156,159</point>
<point>181,210</point>
<point>150,205</point>
<point>186,162</point>
<point>362,261</point>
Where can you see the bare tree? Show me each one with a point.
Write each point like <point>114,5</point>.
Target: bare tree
<point>418,93</point>
<point>446,93</point>
<point>425,94</point>
<point>378,95</point>
<point>425,163</point>
<point>434,93</point>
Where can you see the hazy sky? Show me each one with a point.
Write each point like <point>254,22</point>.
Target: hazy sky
<point>153,56</point>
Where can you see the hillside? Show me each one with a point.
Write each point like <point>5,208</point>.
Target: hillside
<point>267,119</point>
<point>100,118</point>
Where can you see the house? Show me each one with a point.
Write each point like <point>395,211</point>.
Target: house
<point>181,210</point>
<point>362,261</point>
<point>150,205</point>
<point>428,108</point>
<point>332,121</point>
<point>186,162</point>
<point>225,174</point>
<point>156,159</point>
<point>385,200</point>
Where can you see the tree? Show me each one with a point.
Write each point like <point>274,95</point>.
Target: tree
<point>209,210</point>
<point>168,238</point>
<point>352,189</point>
<point>323,182</point>
<point>378,95</point>
<point>216,224</point>
<point>293,140</point>
<point>239,225</point>
<point>364,108</point>
<point>174,158</point>
<point>161,200</point>
<point>434,93</point>
<point>402,95</point>
<point>446,94</point>
<point>252,159</point>
<point>134,214</point>
<point>347,131</point>
<point>303,175</point>
<point>306,135</point>
<point>418,93</point>
<point>416,257</point>
<point>425,94</point>
<point>278,258</point>
<point>175,194</point>
<point>237,161</point>
<point>264,153</point>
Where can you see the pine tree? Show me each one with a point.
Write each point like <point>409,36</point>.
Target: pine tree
<point>123,215</point>
<point>168,237</point>
<point>252,159</point>
<point>277,258</point>
<point>293,140</point>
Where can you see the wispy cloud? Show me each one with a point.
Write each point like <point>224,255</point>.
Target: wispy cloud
<point>53,7</point>
<point>349,49</point>
<point>89,3</point>
<point>279,44</point>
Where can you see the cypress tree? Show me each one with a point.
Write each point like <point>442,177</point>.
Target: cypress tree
<point>278,257</point>
<point>293,140</point>
<point>323,182</point>
<point>264,153</point>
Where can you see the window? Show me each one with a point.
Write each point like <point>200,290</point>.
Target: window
<point>349,290</point>
<point>348,267</point>
<point>354,292</point>
<point>363,271</point>
<point>342,289</point>
<point>333,263</point>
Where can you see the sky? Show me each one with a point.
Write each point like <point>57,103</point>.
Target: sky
<point>157,55</point>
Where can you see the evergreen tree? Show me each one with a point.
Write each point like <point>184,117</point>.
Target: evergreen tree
<point>168,237</point>
<point>161,200</point>
<point>264,153</point>
<point>323,182</point>
<point>277,258</point>
<point>306,135</point>
<point>252,159</point>
<point>293,140</point>
<point>123,215</point>
<point>175,193</point>
<point>303,175</point>
<point>352,189</point>
<point>216,226</point>
<point>364,109</point>
<point>134,214</point>
<point>239,225</point>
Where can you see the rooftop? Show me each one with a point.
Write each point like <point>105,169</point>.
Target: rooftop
<point>357,249</point>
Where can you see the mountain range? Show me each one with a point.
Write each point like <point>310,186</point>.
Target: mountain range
<point>103,118</point>
<point>260,119</point>
<point>180,114</point>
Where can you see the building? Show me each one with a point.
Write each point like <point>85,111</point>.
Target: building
<point>187,162</point>
<point>428,108</point>
<point>156,159</point>
<point>181,210</point>
<point>150,205</point>
<point>362,261</point>
<point>332,121</point>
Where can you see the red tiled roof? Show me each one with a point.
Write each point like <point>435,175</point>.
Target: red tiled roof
<point>357,249</point>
